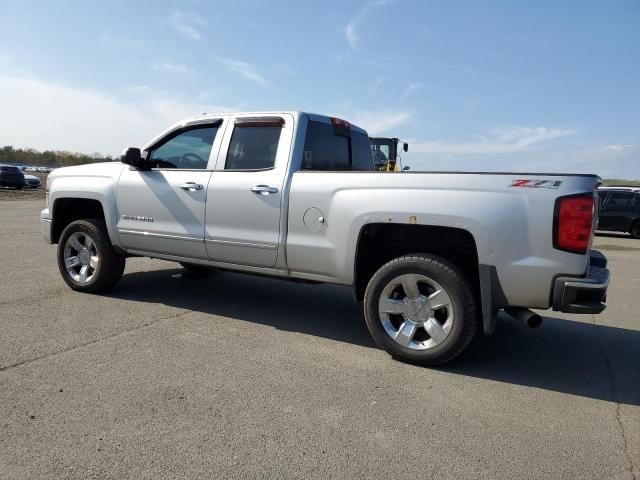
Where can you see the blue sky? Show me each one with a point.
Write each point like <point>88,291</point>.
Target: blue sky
<point>486,85</point>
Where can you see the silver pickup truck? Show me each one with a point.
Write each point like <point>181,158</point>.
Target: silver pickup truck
<point>433,256</point>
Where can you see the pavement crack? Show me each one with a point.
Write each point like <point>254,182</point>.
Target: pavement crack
<point>93,342</point>
<point>614,398</point>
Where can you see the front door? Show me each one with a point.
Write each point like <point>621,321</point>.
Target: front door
<point>162,210</point>
<point>245,194</point>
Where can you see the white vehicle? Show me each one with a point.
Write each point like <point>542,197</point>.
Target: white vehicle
<point>433,256</point>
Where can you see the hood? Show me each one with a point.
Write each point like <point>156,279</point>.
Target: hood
<point>103,169</point>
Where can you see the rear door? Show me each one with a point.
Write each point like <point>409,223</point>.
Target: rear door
<point>245,194</point>
<point>617,211</point>
<point>162,210</point>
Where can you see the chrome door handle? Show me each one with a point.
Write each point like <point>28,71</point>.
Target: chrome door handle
<point>264,189</point>
<point>191,186</point>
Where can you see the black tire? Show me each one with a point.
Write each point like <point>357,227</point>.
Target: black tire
<point>635,229</point>
<point>111,263</point>
<point>464,319</point>
<point>195,268</point>
<point>19,187</point>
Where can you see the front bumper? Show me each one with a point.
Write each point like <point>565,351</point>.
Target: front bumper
<point>45,225</point>
<point>586,294</point>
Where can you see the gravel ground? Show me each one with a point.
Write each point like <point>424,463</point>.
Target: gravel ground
<point>234,376</point>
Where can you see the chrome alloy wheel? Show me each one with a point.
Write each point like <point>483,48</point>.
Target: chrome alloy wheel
<point>81,258</point>
<point>416,311</point>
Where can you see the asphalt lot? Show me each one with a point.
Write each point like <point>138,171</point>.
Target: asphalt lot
<point>236,376</point>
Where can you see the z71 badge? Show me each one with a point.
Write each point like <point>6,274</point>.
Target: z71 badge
<point>536,183</point>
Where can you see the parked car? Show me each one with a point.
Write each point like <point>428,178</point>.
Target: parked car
<point>620,210</point>
<point>295,196</point>
<point>31,181</point>
<point>11,176</point>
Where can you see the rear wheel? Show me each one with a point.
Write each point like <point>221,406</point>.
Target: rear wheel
<point>635,229</point>
<point>421,309</point>
<point>86,258</point>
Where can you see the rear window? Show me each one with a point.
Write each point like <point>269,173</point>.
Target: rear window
<point>9,169</point>
<point>325,150</point>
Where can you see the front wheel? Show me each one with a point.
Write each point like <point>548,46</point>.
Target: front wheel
<point>421,309</point>
<point>635,229</point>
<point>86,259</point>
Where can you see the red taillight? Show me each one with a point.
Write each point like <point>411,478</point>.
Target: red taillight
<point>573,223</point>
<point>338,122</point>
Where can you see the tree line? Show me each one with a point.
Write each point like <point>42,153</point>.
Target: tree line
<point>48,158</point>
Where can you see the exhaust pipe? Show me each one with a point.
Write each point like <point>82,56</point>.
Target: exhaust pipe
<point>531,319</point>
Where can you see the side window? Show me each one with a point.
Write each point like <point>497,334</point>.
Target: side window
<point>602,198</point>
<point>361,152</point>
<point>254,144</point>
<point>325,150</point>
<point>620,201</point>
<point>189,149</point>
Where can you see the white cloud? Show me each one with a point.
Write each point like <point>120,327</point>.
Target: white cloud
<point>172,68</point>
<point>245,69</point>
<point>376,85</point>
<point>412,87</point>
<point>350,31</point>
<point>376,123</point>
<point>187,23</point>
<point>617,148</point>
<point>121,42</point>
<point>48,116</point>
<point>501,140</point>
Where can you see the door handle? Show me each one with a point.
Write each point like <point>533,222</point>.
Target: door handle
<point>264,189</point>
<point>191,186</point>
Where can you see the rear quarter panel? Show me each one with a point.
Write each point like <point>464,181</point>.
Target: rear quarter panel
<point>512,226</point>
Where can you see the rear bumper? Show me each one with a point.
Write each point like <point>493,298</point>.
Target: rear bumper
<point>586,294</point>
<point>45,225</point>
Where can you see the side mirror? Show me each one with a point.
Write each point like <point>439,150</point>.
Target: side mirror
<point>405,147</point>
<point>132,156</point>
<point>404,169</point>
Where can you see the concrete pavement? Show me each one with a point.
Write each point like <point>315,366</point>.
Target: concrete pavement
<point>235,376</point>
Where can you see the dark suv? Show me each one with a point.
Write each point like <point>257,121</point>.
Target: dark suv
<point>620,209</point>
<point>11,177</point>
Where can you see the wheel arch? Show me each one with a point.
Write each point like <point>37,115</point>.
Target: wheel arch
<point>65,210</point>
<point>378,243</point>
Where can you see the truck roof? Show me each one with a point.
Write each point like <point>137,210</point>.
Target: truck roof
<point>296,113</point>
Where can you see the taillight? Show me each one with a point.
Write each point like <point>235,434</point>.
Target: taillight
<point>573,223</point>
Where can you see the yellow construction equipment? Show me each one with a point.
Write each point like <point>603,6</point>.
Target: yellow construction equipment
<point>385,154</point>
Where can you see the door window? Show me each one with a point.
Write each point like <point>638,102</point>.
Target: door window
<point>620,201</point>
<point>187,150</point>
<point>254,144</point>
